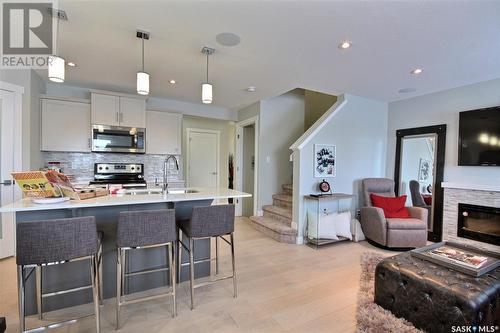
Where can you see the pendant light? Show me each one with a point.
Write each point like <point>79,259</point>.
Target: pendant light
<point>56,63</point>
<point>142,77</point>
<point>206,88</point>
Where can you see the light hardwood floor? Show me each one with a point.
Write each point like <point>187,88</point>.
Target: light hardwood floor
<point>282,288</point>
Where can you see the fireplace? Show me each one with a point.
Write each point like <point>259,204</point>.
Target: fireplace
<point>479,223</point>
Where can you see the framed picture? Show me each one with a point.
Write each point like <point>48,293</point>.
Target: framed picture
<point>325,162</point>
<point>424,170</point>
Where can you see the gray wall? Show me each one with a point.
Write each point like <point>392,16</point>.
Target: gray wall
<point>359,132</point>
<point>281,124</point>
<point>443,108</point>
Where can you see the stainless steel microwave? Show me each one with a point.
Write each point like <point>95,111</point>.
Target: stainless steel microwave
<point>116,139</point>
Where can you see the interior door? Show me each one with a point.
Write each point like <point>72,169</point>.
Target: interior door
<point>6,167</point>
<point>203,159</point>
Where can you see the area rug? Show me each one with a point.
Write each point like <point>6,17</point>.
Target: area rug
<point>370,317</point>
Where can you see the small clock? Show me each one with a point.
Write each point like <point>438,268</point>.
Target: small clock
<point>324,187</point>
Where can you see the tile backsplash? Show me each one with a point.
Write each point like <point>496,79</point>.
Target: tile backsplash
<point>81,165</point>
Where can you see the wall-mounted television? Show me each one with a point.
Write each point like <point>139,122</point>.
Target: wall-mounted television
<point>479,137</point>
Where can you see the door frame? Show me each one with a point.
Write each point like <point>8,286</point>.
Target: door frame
<point>190,130</point>
<point>438,193</point>
<point>17,136</point>
<point>239,163</point>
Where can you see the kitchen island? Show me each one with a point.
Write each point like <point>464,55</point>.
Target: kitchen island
<point>106,210</point>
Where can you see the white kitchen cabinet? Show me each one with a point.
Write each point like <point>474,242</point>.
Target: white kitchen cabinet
<point>132,112</point>
<point>65,126</point>
<point>116,110</point>
<point>163,132</point>
<point>105,109</point>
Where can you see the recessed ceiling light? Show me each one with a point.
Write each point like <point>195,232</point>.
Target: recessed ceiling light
<point>227,39</point>
<point>71,64</point>
<point>417,71</point>
<point>407,90</point>
<point>172,82</point>
<point>251,89</point>
<point>345,45</point>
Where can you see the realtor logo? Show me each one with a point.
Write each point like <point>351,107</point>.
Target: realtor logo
<point>27,28</point>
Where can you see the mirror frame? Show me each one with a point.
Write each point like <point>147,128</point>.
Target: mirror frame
<point>440,130</point>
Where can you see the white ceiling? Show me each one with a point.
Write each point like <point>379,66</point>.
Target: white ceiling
<point>284,45</point>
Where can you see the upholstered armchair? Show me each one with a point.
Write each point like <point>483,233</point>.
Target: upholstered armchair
<point>391,232</point>
<point>418,200</point>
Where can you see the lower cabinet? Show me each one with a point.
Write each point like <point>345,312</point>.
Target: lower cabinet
<point>65,126</point>
<point>163,132</point>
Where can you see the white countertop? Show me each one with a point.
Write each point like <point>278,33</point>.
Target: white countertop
<point>116,200</point>
<point>475,187</point>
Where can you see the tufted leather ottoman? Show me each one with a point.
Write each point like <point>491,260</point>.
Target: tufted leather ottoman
<point>433,297</point>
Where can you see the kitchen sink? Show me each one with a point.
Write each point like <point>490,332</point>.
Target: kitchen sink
<point>158,191</point>
<point>180,191</point>
<point>143,191</point>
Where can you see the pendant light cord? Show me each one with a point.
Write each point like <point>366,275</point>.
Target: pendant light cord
<point>143,52</point>
<point>207,66</point>
<point>57,36</point>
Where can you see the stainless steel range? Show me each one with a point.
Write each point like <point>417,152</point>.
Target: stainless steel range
<point>129,175</point>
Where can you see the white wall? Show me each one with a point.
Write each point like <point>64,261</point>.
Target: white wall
<point>281,123</point>
<point>443,108</point>
<point>359,132</point>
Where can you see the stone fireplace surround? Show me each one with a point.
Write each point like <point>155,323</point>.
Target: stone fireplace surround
<point>481,195</point>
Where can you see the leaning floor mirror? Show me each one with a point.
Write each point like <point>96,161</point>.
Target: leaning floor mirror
<point>419,172</point>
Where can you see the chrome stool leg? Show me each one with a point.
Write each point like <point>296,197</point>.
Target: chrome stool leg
<point>94,273</point>
<point>179,255</point>
<point>21,284</point>
<point>191,270</point>
<point>235,287</point>
<point>119,279</point>
<point>172,274</point>
<point>38,274</point>
<point>99,263</point>
<point>216,255</point>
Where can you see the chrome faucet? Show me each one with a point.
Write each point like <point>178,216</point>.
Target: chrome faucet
<point>165,171</point>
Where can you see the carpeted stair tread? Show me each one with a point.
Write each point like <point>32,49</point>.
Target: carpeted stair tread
<point>288,187</point>
<point>274,225</point>
<point>283,197</point>
<point>285,212</point>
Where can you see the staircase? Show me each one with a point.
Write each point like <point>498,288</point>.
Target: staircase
<point>277,219</point>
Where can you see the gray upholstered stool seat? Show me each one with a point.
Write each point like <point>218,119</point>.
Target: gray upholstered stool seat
<point>207,222</point>
<point>144,229</point>
<point>50,242</point>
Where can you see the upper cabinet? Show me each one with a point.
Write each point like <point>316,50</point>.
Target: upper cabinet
<point>116,110</point>
<point>65,126</point>
<point>163,132</point>
<point>132,112</point>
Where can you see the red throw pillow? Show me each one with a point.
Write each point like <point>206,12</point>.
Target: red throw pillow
<point>427,199</point>
<point>392,206</point>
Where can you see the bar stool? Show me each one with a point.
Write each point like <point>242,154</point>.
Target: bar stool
<point>38,275</point>
<point>208,222</point>
<point>141,230</point>
<point>52,242</point>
